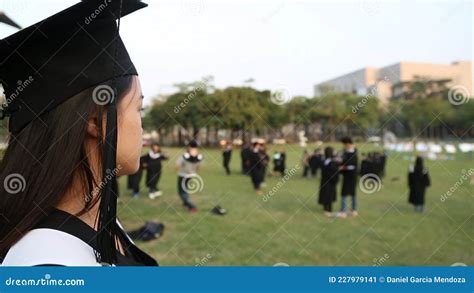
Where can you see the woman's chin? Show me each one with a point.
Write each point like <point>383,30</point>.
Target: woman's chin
<point>127,169</point>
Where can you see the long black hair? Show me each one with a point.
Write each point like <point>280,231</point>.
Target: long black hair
<point>328,152</point>
<point>419,168</point>
<point>43,159</point>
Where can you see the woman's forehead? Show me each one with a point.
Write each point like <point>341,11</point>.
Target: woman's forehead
<point>136,91</point>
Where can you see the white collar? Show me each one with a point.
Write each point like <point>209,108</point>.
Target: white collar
<point>154,155</point>
<point>49,246</point>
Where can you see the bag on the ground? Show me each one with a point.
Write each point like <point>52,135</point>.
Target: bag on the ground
<point>150,231</point>
<point>217,210</point>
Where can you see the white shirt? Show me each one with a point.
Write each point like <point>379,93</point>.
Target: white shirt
<point>49,246</point>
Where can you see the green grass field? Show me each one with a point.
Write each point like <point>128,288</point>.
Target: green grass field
<point>290,227</point>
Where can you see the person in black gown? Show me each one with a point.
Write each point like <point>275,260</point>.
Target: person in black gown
<point>226,156</point>
<point>418,181</point>
<point>153,164</point>
<point>133,180</point>
<point>329,179</point>
<point>383,163</point>
<point>279,162</point>
<point>257,167</point>
<point>305,162</point>
<point>265,160</point>
<point>315,162</point>
<point>348,169</point>
<point>189,181</point>
<point>245,155</point>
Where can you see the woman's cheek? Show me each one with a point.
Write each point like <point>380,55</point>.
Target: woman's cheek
<point>139,128</point>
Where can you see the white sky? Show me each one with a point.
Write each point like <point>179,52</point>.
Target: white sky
<point>294,44</point>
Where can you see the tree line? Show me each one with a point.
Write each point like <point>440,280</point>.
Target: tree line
<point>425,109</point>
<point>200,110</point>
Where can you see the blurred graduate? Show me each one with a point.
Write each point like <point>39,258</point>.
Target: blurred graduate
<point>348,169</point>
<point>279,162</point>
<point>153,164</point>
<point>418,181</point>
<point>265,160</point>
<point>329,179</point>
<point>188,165</point>
<point>257,167</point>
<point>226,156</point>
<point>305,162</point>
<point>315,162</point>
<point>245,155</point>
<point>133,180</point>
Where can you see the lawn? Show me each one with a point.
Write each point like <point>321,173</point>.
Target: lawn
<point>289,226</point>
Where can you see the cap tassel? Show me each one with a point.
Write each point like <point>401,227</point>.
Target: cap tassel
<point>107,216</point>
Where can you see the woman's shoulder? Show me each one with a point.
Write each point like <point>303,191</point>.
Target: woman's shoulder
<point>50,247</point>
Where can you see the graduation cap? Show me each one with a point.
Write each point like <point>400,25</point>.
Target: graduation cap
<point>49,62</point>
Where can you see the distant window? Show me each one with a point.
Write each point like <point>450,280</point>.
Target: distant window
<point>360,91</point>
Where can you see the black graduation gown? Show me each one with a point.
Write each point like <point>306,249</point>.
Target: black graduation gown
<point>365,167</point>
<point>315,162</point>
<point>418,182</point>
<point>378,164</point>
<point>153,168</point>
<point>280,163</point>
<point>349,181</point>
<point>133,181</point>
<point>226,155</point>
<point>257,168</point>
<point>383,162</point>
<point>67,223</point>
<point>246,155</point>
<point>265,159</point>
<point>329,179</point>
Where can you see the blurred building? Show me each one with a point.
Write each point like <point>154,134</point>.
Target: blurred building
<point>390,81</point>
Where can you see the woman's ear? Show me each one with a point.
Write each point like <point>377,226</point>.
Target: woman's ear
<point>93,126</point>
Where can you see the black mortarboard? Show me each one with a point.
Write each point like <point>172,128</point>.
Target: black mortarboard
<point>52,60</point>
<point>193,144</point>
<point>346,140</point>
<point>49,62</point>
